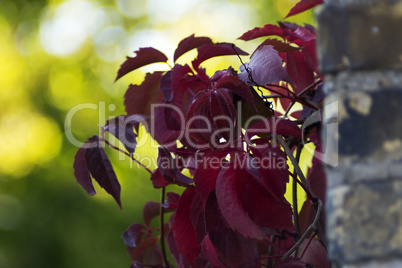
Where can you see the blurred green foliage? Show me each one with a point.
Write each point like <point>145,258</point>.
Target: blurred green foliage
<point>55,55</point>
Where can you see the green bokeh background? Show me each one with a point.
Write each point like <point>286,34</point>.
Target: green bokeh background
<point>57,54</point>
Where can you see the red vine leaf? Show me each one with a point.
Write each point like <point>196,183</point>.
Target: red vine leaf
<point>139,98</point>
<point>266,30</point>
<point>208,51</point>
<point>233,249</point>
<point>183,230</point>
<point>101,169</point>
<point>122,127</point>
<point>144,56</point>
<point>299,70</point>
<point>235,85</point>
<point>231,207</point>
<point>303,5</point>
<point>81,171</point>
<point>150,211</point>
<point>279,46</point>
<point>133,234</point>
<point>158,181</point>
<point>209,251</point>
<point>265,66</point>
<point>190,43</point>
<point>274,126</point>
<point>172,201</point>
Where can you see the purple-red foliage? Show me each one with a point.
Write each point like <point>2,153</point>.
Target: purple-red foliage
<point>232,212</point>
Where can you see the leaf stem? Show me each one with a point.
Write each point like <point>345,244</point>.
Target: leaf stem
<point>162,229</point>
<point>130,156</point>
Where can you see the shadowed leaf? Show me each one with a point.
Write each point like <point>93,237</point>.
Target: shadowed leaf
<point>208,51</point>
<point>190,43</point>
<point>144,56</point>
<point>150,211</point>
<point>81,171</point>
<point>139,98</point>
<point>231,208</point>
<point>102,170</point>
<point>183,230</point>
<point>266,30</point>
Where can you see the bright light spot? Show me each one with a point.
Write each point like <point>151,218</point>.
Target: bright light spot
<point>172,10</point>
<point>65,31</point>
<point>11,212</point>
<point>67,86</point>
<point>131,9</point>
<point>110,44</point>
<point>27,138</point>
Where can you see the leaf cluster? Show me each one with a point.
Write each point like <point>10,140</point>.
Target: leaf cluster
<point>224,131</point>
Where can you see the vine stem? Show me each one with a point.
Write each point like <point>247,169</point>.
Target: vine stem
<point>312,227</point>
<point>162,231</point>
<point>310,193</point>
<point>129,155</point>
<point>294,189</point>
<point>296,166</point>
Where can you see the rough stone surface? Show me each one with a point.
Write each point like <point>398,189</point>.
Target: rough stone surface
<point>363,81</point>
<point>360,35</point>
<point>365,222</point>
<point>369,127</point>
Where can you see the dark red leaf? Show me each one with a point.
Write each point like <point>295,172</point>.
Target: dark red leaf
<point>265,66</point>
<point>315,255</point>
<point>166,129</point>
<point>274,126</point>
<point>232,248</point>
<point>231,207</point>
<point>146,243</point>
<point>299,70</point>
<point>139,98</point>
<point>166,86</point>
<point>234,84</point>
<point>279,46</point>
<point>266,30</point>
<point>122,127</point>
<point>208,51</point>
<point>81,171</point>
<point>207,172</point>
<point>172,246</point>
<point>190,43</point>
<point>224,115</point>
<point>172,201</point>
<point>101,169</point>
<point>304,34</point>
<point>168,169</point>
<point>183,230</point>
<point>273,169</point>
<point>302,6</point>
<point>198,121</point>
<point>144,56</point>
<point>209,251</point>
<point>265,209</point>
<point>134,234</point>
<point>150,211</point>
<point>158,181</point>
